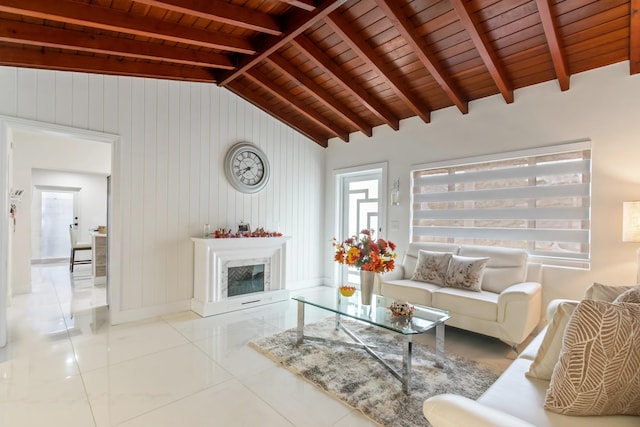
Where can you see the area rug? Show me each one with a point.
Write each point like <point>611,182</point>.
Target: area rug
<point>354,377</point>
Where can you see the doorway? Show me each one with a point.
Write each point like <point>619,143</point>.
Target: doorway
<point>360,207</point>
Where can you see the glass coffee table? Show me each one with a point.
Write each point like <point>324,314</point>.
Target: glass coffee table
<point>376,314</point>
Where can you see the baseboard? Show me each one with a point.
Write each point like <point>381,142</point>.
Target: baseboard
<point>148,312</point>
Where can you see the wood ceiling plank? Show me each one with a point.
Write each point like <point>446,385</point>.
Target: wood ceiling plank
<point>41,58</point>
<point>221,11</point>
<point>295,23</point>
<point>487,53</point>
<point>551,33</point>
<point>260,78</point>
<point>348,84</point>
<point>395,14</point>
<point>285,67</point>
<point>250,96</point>
<point>634,37</point>
<point>17,32</point>
<point>366,53</point>
<point>114,20</point>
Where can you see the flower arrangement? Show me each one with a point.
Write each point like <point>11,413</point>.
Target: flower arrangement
<point>401,308</point>
<point>366,254</point>
<point>222,233</point>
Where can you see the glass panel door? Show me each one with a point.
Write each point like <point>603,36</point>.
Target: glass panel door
<point>360,210</point>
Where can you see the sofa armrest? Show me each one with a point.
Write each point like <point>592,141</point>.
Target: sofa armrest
<point>451,410</point>
<point>396,274</point>
<point>519,310</point>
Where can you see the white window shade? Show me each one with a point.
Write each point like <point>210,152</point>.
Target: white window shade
<point>537,201</point>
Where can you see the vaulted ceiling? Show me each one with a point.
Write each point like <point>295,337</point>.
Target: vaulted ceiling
<point>334,67</point>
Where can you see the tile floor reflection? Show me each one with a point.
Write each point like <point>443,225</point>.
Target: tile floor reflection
<point>65,365</point>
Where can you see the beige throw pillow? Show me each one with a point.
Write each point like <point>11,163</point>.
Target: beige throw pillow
<point>465,273</point>
<point>431,267</point>
<point>600,292</point>
<point>630,296</point>
<point>597,373</point>
<point>549,351</point>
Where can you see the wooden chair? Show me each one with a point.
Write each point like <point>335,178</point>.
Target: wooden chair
<point>75,246</point>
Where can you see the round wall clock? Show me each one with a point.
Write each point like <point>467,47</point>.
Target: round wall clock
<point>246,167</point>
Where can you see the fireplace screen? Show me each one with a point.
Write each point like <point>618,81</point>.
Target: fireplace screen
<point>245,279</point>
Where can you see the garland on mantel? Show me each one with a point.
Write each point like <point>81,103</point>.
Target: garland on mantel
<point>222,233</point>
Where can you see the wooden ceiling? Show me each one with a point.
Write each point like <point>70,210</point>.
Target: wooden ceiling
<point>330,68</point>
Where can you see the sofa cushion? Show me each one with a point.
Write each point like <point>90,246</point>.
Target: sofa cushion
<point>411,257</point>
<point>523,397</point>
<point>600,292</point>
<point>431,267</point>
<point>549,351</point>
<point>506,266</point>
<point>410,290</point>
<point>597,373</point>
<point>479,305</point>
<point>630,296</point>
<point>465,273</point>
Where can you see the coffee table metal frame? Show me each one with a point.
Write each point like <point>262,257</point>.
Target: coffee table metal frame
<point>376,314</point>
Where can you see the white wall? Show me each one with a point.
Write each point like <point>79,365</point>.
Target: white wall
<point>603,105</point>
<point>168,177</point>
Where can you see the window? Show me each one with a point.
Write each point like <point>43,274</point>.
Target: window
<point>538,200</point>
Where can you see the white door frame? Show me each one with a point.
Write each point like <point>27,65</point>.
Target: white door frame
<point>7,125</point>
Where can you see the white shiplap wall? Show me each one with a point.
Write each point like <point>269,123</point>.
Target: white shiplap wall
<point>168,175</point>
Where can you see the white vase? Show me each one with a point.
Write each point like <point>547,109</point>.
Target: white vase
<point>366,286</point>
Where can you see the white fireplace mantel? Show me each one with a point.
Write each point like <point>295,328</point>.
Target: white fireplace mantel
<point>212,258</point>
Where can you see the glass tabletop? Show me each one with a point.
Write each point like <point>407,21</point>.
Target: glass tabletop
<point>378,313</point>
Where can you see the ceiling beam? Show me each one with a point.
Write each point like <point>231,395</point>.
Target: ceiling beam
<point>551,33</point>
<point>394,13</point>
<point>87,15</point>
<point>281,64</point>
<point>323,61</point>
<point>284,116</point>
<point>295,23</point>
<point>484,48</point>
<point>366,53</point>
<point>307,5</point>
<point>39,58</point>
<point>634,37</point>
<point>37,35</point>
<point>221,11</point>
<point>261,79</point>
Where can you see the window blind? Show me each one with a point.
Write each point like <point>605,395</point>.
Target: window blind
<point>539,202</point>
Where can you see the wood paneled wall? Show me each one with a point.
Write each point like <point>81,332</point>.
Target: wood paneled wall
<point>169,176</point>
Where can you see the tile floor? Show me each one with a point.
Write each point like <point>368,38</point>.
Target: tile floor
<point>65,365</point>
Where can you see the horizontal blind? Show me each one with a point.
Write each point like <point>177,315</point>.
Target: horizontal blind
<point>538,202</point>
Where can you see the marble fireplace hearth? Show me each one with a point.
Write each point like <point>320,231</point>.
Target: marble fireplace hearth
<point>237,273</point>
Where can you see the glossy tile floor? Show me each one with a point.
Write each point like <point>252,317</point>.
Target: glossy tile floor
<point>65,365</point>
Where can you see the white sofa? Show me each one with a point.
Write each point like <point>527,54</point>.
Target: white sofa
<point>508,307</point>
<point>514,400</point>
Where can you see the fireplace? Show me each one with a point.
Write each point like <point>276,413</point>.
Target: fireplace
<point>245,279</point>
<point>233,274</point>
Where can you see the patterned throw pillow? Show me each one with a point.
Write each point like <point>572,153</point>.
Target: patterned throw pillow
<point>465,273</point>
<point>431,267</point>
<point>597,373</point>
<point>630,296</point>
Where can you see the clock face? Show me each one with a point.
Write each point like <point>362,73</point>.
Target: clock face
<point>247,168</point>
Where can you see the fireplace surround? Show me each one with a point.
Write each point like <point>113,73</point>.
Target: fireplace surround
<point>233,274</point>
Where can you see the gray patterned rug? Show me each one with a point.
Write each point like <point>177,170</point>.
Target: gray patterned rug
<point>354,377</point>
